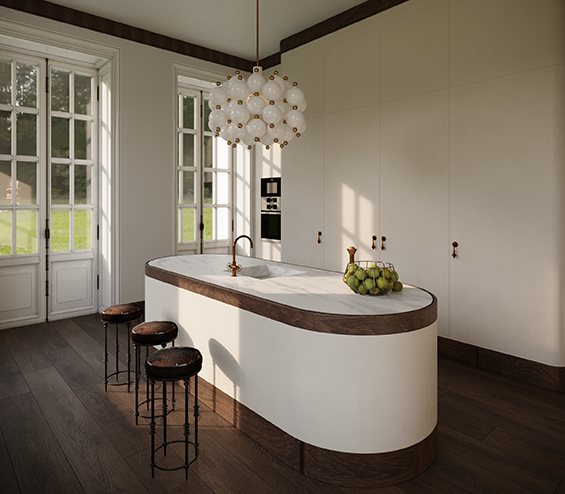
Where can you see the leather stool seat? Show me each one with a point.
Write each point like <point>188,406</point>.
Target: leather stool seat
<point>121,313</point>
<point>173,363</point>
<point>154,332</point>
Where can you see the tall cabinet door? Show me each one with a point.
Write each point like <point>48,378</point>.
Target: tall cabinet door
<point>415,193</point>
<point>303,201</point>
<point>351,199</point>
<point>504,279</point>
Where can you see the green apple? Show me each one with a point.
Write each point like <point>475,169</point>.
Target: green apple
<point>360,273</point>
<point>362,290</point>
<point>369,284</point>
<point>373,271</point>
<point>351,281</point>
<point>397,287</point>
<point>351,268</point>
<point>356,281</point>
<point>386,273</point>
<point>394,276</point>
<point>389,284</point>
<point>380,282</point>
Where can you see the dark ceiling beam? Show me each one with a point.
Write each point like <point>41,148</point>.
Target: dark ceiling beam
<point>106,26</point>
<point>337,22</point>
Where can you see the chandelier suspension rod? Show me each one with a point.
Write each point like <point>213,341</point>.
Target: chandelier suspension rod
<point>257,33</point>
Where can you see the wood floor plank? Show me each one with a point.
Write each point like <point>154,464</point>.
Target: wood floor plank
<point>169,482</point>
<point>109,411</point>
<point>514,422</point>
<point>511,469</point>
<point>561,488</point>
<point>540,405</point>
<point>37,459</point>
<point>25,351</point>
<point>12,382</point>
<point>84,344</point>
<point>472,477</point>
<point>7,474</point>
<point>219,469</point>
<point>463,422</point>
<point>544,459</point>
<point>97,464</point>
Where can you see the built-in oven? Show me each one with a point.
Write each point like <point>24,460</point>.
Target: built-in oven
<point>271,208</point>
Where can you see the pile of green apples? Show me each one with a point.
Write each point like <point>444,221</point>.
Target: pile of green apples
<point>374,280</point>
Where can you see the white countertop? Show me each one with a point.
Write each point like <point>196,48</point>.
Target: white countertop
<point>306,288</point>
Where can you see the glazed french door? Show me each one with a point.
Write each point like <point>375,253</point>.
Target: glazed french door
<point>48,189</point>
<point>204,211</point>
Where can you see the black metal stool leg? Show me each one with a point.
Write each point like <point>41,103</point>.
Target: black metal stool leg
<point>196,415</point>
<point>137,376</point>
<point>105,356</point>
<point>186,427</point>
<point>147,381</point>
<point>128,356</point>
<point>152,428</point>
<point>164,386</point>
<point>117,355</point>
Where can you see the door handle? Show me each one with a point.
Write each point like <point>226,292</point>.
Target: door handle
<point>373,244</point>
<point>454,253</point>
<point>319,237</point>
<point>383,240</point>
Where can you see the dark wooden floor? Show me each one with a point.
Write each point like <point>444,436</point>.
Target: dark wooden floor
<point>60,432</point>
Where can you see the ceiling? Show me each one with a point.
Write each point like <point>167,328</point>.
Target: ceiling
<point>228,26</point>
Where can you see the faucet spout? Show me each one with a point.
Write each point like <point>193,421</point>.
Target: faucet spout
<point>234,267</point>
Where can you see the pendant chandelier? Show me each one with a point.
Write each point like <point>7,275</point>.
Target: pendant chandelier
<point>257,110</point>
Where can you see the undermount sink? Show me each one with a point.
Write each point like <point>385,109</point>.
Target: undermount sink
<point>265,272</point>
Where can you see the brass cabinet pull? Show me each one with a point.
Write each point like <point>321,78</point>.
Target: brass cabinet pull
<point>319,237</point>
<point>454,253</point>
<point>383,240</point>
<point>373,244</point>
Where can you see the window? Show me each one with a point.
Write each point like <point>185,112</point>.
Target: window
<point>204,215</point>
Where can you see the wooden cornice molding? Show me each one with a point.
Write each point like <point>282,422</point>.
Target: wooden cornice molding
<point>106,26</point>
<point>113,28</point>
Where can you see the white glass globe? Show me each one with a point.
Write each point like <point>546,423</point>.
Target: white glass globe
<point>255,82</point>
<point>271,114</point>
<point>294,118</point>
<point>256,127</point>
<point>239,90</point>
<point>294,96</point>
<point>240,113</point>
<point>271,91</point>
<point>217,118</point>
<point>218,96</point>
<point>256,105</point>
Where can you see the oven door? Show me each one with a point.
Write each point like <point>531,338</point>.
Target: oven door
<point>271,226</point>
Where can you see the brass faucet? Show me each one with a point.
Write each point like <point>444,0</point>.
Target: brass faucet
<point>233,266</point>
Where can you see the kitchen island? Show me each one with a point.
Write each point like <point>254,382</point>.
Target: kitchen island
<point>341,387</point>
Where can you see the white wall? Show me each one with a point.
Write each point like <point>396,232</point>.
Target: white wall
<point>435,121</point>
<point>145,161</point>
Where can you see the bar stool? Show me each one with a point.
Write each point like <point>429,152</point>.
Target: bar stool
<point>118,314</point>
<point>150,334</point>
<point>170,365</point>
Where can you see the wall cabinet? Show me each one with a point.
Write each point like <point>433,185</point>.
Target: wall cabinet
<point>428,182</point>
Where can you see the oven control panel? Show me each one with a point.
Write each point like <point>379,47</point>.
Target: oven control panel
<point>270,204</point>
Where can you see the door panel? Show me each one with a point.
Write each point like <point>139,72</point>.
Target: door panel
<point>48,190</point>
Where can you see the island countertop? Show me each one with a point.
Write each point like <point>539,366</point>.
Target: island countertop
<point>300,296</point>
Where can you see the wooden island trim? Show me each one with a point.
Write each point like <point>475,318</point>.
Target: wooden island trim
<point>346,324</point>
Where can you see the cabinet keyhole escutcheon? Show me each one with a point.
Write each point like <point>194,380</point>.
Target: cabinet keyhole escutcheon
<point>383,240</point>
<point>454,253</point>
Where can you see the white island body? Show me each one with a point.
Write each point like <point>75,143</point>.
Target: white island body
<point>350,380</point>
